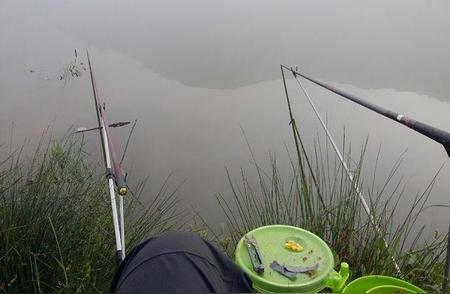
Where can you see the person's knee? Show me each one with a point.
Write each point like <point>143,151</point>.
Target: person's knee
<point>179,258</point>
<point>178,237</point>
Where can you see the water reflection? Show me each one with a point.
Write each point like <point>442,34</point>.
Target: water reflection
<point>193,74</point>
<point>220,44</point>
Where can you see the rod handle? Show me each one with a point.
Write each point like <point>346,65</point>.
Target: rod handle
<point>119,258</point>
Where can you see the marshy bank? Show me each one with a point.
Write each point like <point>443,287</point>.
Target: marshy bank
<point>56,233</point>
<point>55,220</point>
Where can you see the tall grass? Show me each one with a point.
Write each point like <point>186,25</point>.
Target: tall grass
<point>319,197</point>
<point>56,231</point>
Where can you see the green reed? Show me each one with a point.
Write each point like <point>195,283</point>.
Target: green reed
<point>331,209</point>
<point>56,231</point>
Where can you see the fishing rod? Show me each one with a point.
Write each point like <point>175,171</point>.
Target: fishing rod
<point>114,173</point>
<point>349,175</point>
<point>431,132</point>
<point>440,136</point>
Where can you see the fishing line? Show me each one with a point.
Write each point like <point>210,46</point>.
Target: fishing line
<point>128,141</point>
<point>349,174</point>
<point>297,140</point>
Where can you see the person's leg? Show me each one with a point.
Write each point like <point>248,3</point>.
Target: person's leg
<point>178,262</point>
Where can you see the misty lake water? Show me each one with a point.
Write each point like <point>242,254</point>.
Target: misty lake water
<point>193,73</point>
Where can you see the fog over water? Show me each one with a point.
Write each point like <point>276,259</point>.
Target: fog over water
<point>194,72</point>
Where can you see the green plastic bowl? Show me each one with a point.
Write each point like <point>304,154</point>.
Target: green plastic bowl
<point>271,241</point>
<point>380,284</point>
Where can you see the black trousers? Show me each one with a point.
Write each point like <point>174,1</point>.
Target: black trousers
<point>178,262</point>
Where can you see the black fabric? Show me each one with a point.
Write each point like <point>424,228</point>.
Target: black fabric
<point>178,262</point>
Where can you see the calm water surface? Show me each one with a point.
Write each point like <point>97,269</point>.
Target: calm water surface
<point>194,72</point>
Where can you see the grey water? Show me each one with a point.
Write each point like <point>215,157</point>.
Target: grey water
<point>195,72</point>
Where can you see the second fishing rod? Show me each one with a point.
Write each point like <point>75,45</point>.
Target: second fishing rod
<point>438,135</point>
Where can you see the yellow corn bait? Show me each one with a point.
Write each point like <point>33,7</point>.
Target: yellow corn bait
<point>293,246</point>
